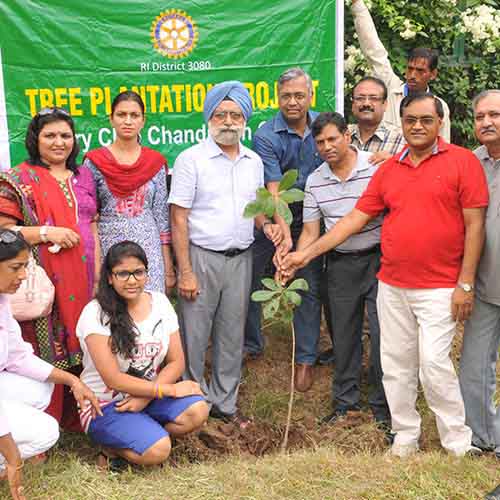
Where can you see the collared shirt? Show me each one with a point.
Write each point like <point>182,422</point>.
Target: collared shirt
<point>216,189</point>
<point>16,355</point>
<point>282,149</point>
<point>374,51</point>
<point>386,138</point>
<point>423,231</point>
<point>488,272</point>
<point>328,196</point>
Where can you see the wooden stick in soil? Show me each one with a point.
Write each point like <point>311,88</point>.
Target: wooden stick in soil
<point>292,390</point>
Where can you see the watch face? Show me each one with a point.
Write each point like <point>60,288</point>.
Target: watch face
<point>466,287</point>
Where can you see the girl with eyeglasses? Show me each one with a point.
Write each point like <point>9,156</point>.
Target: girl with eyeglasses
<point>132,360</point>
<point>26,382</point>
<point>132,189</point>
<point>52,202</point>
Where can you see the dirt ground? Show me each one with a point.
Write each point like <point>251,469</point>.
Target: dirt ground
<point>264,397</point>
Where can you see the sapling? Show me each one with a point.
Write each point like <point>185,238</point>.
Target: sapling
<point>279,301</point>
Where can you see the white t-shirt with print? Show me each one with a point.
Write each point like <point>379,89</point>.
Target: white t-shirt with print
<point>151,347</point>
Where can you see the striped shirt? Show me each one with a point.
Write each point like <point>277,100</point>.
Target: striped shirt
<point>386,138</point>
<point>329,197</point>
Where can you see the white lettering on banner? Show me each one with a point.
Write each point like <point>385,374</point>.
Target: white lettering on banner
<point>155,67</point>
<point>86,139</point>
<point>106,132</point>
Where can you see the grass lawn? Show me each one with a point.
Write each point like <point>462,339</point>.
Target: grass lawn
<point>345,461</point>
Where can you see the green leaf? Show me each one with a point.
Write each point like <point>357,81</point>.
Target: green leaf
<point>269,206</point>
<point>292,195</point>
<point>271,308</point>
<point>271,284</point>
<point>262,295</point>
<point>252,209</point>
<point>293,297</point>
<point>263,194</point>
<point>287,316</point>
<point>288,180</point>
<point>298,284</point>
<point>284,211</point>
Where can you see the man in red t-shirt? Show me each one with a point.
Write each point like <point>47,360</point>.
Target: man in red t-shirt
<point>434,195</point>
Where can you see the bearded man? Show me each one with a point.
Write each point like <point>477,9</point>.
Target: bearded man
<point>212,183</point>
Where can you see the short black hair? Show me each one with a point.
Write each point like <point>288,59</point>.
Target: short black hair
<point>328,118</point>
<point>430,55</point>
<point>373,79</point>
<point>12,249</point>
<point>420,96</point>
<point>35,127</point>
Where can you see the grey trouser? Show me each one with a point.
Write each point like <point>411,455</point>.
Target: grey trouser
<point>478,373</point>
<point>218,312</point>
<point>352,284</point>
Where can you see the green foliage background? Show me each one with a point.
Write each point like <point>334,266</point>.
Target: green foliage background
<point>465,66</point>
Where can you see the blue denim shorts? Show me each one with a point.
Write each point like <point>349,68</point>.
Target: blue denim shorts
<point>138,431</point>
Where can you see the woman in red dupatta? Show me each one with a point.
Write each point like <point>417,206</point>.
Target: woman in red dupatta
<point>132,192</point>
<point>38,196</point>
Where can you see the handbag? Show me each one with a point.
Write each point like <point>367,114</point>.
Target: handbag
<point>35,296</point>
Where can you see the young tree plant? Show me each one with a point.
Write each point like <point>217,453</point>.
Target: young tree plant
<point>280,301</point>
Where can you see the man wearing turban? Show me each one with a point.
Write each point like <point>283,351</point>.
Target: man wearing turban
<point>212,183</point>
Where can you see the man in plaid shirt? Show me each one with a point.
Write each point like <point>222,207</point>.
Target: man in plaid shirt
<point>370,133</point>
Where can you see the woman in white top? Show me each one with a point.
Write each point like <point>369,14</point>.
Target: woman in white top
<point>132,360</point>
<point>26,381</point>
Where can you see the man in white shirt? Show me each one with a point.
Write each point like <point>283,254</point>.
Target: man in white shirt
<point>420,70</point>
<point>212,183</point>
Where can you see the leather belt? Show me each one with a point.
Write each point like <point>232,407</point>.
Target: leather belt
<point>230,252</point>
<point>355,253</point>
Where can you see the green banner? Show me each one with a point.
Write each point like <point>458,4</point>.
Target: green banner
<point>79,55</point>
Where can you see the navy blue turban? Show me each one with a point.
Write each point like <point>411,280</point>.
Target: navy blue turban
<point>233,90</point>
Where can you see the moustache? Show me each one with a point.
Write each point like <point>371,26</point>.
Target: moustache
<point>366,108</point>
<point>488,129</point>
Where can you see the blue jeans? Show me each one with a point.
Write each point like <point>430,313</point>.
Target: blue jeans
<point>307,315</point>
<point>478,373</point>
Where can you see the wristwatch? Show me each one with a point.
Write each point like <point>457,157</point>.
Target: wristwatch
<point>466,287</point>
<point>43,233</point>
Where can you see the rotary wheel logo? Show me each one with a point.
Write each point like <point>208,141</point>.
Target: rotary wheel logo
<point>174,34</point>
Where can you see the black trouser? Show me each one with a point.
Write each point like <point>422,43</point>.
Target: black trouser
<point>352,284</point>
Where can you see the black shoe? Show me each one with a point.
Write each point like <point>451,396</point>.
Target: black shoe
<point>326,357</point>
<point>237,419</point>
<point>493,495</point>
<point>386,428</point>
<point>333,417</point>
<point>252,356</point>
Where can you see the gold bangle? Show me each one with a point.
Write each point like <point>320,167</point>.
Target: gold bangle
<point>160,392</point>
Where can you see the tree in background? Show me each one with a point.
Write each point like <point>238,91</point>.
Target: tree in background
<point>467,35</point>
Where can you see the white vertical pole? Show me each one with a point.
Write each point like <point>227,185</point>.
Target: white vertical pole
<point>339,45</point>
<point>4,130</point>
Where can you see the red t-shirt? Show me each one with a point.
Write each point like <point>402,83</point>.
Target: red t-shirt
<point>423,230</point>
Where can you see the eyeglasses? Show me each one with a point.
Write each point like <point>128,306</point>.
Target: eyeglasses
<point>138,274</point>
<point>425,121</point>
<point>52,111</point>
<point>221,115</point>
<point>369,98</point>
<point>8,237</point>
<point>297,96</point>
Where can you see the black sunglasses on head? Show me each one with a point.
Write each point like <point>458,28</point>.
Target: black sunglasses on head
<point>51,111</point>
<point>7,236</point>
